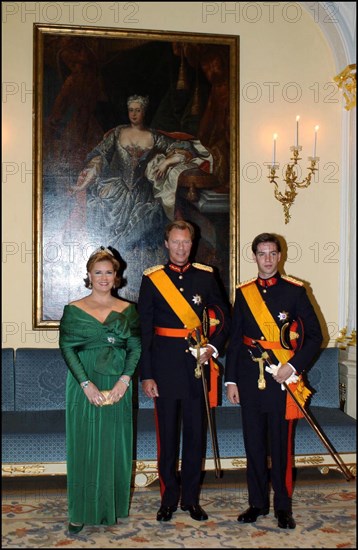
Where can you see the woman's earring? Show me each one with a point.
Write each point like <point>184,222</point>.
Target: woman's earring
<point>90,285</point>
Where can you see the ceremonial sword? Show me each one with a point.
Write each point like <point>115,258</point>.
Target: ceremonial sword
<point>266,355</point>
<point>199,372</point>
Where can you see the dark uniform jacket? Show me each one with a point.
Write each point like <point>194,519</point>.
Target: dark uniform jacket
<point>285,297</point>
<point>168,360</point>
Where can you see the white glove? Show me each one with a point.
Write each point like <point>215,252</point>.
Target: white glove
<point>292,379</point>
<point>194,352</point>
<point>273,369</point>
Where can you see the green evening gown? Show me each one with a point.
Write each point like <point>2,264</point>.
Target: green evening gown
<point>99,440</point>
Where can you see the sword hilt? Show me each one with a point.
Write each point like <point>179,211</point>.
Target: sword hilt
<point>197,344</point>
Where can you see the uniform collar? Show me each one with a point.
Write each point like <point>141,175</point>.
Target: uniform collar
<point>268,282</point>
<point>179,268</point>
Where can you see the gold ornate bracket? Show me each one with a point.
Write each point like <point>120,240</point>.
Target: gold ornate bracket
<point>347,81</point>
<point>343,340</point>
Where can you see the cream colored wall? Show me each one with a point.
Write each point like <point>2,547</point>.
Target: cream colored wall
<point>286,69</point>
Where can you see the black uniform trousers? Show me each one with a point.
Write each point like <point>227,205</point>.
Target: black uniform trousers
<point>172,412</point>
<point>266,433</point>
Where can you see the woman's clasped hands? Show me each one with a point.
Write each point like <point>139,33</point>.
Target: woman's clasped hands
<point>117,392</point>
<point>105,397</point>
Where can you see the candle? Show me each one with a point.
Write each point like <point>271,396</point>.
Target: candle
<point>315,141</point>
<point>297,119</point>
<point>274,150</point>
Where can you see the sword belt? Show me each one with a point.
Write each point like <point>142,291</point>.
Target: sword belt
<point>263,343</point>
<point>174,332</point>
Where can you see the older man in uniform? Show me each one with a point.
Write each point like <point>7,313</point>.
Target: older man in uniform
<point>171,303</point>
<point>271,312</point>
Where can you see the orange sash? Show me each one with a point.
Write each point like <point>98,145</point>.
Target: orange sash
<point>175,299</point>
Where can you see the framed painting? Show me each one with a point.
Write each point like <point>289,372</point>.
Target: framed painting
<point>94,188</point>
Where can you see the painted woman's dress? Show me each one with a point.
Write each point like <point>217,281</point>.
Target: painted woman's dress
<point>127,207</point>
<point>99,440</point>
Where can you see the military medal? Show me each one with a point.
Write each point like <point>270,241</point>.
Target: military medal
<point>196,299</point>
<point>283,316</point>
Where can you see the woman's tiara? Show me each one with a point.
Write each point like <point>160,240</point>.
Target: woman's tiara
<point>102,249</point>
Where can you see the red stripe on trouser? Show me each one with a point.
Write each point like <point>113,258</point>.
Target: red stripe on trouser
<point>214,382</point>
<point>289,460</point>
<point>161,482</point>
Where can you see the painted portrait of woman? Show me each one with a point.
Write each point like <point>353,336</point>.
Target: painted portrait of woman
<point>136,133</point>
<point>131,180</point>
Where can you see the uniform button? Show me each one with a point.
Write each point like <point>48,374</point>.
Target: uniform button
<point>181,289</point>
<point>264,291</point>
<point>186,351</point>
<point>180,276</point>
<point>262,338</point>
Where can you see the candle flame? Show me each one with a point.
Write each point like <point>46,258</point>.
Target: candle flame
<point>316,128</point>
<point>275,137</point>
<point>297,118</point>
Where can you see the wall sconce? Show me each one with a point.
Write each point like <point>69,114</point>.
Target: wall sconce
<point>292,185</point>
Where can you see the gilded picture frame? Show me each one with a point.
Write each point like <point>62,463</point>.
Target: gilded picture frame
<point>83,78</point>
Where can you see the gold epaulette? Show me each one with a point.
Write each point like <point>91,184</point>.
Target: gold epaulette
<point>150,270</point>
<point>292,280</point>
<point>203,267</point>
<point>246,282</point>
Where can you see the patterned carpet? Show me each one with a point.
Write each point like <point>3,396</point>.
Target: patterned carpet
<point>35,516</point>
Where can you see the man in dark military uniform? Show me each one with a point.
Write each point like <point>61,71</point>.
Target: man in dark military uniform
<point>171,303</point>
<point>271,313</point>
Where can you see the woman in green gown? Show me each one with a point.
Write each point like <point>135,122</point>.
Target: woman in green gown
<point>99,339</point>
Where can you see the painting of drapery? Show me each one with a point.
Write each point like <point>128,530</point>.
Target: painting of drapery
<point>133,129</point>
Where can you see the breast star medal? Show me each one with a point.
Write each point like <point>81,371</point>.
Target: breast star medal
<point>196,299</point>
<point>283,315</point>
